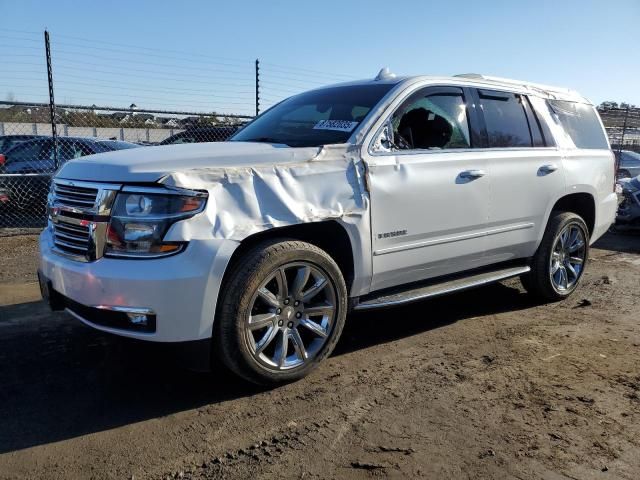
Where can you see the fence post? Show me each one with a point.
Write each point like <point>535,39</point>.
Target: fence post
<point>257,87</point>
<point>52,103</point>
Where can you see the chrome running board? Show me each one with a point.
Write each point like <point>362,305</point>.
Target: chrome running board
<point>400,297</point>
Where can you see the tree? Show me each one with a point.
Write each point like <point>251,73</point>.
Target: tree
<point>607,105</point>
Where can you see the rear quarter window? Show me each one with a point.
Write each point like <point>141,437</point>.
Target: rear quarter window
<point>581,123</point>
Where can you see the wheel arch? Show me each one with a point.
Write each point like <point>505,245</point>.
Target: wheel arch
<point>580,203</point>
<point>329,235</point>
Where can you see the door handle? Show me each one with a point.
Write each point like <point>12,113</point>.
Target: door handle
<point>471,174</point>
<point>550,168</point>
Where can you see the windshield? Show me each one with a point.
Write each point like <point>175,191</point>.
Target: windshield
<point>320,117</point>
<point>630,157</point>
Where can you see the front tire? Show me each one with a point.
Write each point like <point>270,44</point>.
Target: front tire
<point>281,312</point>
<point>558,265</point>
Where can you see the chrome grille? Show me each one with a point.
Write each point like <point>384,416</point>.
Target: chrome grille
<point>79,215</point>
<point>72,238</point>
<point>74,196</point>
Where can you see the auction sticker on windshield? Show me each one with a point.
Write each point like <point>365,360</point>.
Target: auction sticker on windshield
<point>339,125</point>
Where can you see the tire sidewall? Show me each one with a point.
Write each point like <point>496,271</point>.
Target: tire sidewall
<point>241,291</point>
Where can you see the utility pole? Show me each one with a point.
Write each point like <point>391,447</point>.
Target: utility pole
<point>52,102</point>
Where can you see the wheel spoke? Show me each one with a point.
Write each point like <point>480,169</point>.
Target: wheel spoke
<point>557,275</point>
<point>261,320</point>
<point>314,327</point>
<point>283,288</point>
<point>298,344</point>
<point>571,270</point>
<point>576,260</point>
<point>563,277</point>
<point>302,277</point>
<point>282,349</point>
<point>573,235</point>
<point>266,340</point>
<point>314,290</point>
<point>324,309</point>
<point>576,246</point>
<point>563,239</point>
<point>268,297</point>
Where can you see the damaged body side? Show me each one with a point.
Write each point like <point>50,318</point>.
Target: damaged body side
<point>248,200</point>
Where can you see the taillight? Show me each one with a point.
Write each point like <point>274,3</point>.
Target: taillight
<point>3,160</point>
<point>616,164</point>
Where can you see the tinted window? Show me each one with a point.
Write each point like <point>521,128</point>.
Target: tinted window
<point>320,117</point>
<point>580,122</point>
<point>28,151</point>
<point>505,119</point>
<point>68,150</point>
<point>429,121</point>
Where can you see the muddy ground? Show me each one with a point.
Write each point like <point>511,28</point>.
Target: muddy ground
<point>482,384</point>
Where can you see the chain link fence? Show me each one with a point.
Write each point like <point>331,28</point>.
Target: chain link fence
<point>623,127</point>
<point>30,155</point>
<point>162,96</point>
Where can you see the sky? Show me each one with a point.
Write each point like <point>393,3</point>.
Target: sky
<point>199,55</point>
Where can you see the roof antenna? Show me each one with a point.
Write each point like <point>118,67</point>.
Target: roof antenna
<point>385,74</point>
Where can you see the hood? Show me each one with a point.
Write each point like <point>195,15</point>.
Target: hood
<point>150,164</point>
<point>630,184</point>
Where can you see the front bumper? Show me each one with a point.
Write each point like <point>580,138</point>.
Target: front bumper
<point>181,290</point>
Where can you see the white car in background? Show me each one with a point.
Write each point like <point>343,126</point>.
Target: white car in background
<point>356,196</point>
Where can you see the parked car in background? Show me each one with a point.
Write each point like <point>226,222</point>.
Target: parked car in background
<point>629,204</point>
<point>628,163</point>
<point>357,196</point>
<point>200,135</point>
<point>7,142</point>
<point>27,167</point>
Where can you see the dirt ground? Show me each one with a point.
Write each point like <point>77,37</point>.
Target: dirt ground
<point>482,384</point>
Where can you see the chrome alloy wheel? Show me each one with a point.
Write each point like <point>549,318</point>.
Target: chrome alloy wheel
<point>568,257</point>
<point>291,317</point>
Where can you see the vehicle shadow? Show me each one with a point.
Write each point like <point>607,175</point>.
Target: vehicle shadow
<point>60,379</point>
<point>625,240</point>
<point>386,325</point>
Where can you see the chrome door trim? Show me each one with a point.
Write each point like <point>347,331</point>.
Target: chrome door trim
<point>454,238</point>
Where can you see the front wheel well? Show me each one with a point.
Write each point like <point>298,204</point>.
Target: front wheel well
<point>581,204</point>
<point>329,235</point>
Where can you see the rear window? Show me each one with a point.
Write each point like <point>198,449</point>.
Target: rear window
<point>580,122</point>
<point>505,118</point>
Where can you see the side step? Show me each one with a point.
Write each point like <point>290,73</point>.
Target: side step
<point>399,297</point>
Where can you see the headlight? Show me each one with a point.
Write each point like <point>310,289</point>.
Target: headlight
<point>141,218</point>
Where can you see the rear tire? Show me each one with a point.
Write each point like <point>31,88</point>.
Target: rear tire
<point>559,262</point>
<point>281,312</point>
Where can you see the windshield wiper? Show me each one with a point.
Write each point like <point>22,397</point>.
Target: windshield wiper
<point>266,140</point>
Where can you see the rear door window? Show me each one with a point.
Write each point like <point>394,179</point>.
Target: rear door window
<point>581,123</point>
<point>505,119</point>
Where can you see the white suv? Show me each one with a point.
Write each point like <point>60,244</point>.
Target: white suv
<point>351,197</point>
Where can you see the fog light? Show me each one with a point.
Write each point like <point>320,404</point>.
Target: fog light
<point>138,319</point>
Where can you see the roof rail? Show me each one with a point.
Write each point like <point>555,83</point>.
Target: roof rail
<point>522,83</point>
